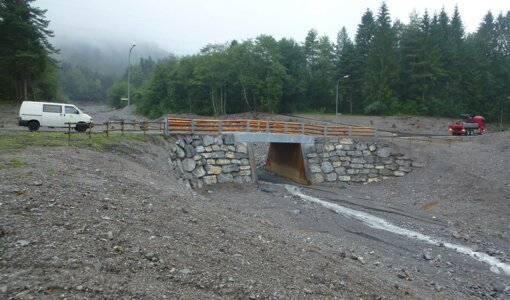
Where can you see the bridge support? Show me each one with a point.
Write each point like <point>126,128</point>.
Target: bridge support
<point>287,160</point>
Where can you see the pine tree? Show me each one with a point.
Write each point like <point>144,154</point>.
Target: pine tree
<point>382,68</point>
<point>363,42</point>
<point>25,62</point>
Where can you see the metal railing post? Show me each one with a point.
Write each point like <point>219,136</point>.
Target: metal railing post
<point>248,125</point>
<point>267,126</point>
<point>219,127</point>
<point>350,131</point>
<point>192,126</point>
<point>302,128</point>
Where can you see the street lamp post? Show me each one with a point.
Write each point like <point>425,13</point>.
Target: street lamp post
<point>337,83</point>
<point>129,82</point>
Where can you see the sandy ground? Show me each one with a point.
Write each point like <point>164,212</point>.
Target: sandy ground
<point>119,225</point>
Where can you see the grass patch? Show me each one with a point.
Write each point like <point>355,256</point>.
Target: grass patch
<point>13,163</point>
<point>16,163</point>
<point>99,141</point>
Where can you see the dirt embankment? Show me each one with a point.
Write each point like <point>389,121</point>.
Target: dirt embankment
<point>78,223</point>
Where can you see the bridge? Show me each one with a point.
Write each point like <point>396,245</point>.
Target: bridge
<point>287,140</point>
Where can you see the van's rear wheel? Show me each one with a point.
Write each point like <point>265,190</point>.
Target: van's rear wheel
<point>33,125</point>
<point>81,127</point>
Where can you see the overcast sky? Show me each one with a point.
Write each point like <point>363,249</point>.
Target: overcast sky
<point>184,26</point>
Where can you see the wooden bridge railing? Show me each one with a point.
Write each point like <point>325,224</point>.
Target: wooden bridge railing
<point>183,125</point>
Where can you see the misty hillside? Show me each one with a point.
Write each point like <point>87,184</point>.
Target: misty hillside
<point>109,58</point>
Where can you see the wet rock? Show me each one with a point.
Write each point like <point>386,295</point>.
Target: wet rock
<point>224,178</point>
<point>383,152</point>
<point>314,168</point>
<point>327,167</point>
<point>185,271</point>
<point>72,263</point>
<point>213,169</point>
<point>331,177</point>
<point>151,255</point>
<point>495,270</point>
<point>189,164</point>
<point>229,139</point>
<point>199,172</point>
<point>208,140</point>
<point>403,274</point>
<point>230,168</point>
<point>240,147</point>
<point>180,153</point>
<point>427,255</point>
<point>23,243</point>
<point>97,266</point>
<point>211,179</point>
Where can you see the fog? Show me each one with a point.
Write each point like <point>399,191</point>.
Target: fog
<point>106,57</point>
<point>184,26</point>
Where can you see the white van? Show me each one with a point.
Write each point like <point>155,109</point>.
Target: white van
<point>35,114</point>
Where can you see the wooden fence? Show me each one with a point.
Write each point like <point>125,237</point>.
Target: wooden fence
<point>183,126</point>
<point>119,126</point>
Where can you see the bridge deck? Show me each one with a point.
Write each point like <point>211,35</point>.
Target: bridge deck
<point>281,129</point>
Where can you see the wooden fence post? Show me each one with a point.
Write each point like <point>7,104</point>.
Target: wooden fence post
<point>107,128</point>
<point>69,131</point>
<point>122,127</point>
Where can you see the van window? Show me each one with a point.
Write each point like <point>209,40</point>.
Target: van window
<point>71,110</point>
<point>49,108</point>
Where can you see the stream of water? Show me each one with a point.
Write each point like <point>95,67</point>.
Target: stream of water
<point>381,224</point>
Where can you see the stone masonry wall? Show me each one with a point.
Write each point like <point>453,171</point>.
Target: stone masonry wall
<point>350,160</point>
<point>211,159</point>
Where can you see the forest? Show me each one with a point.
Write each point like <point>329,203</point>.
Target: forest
<point>429,66</point>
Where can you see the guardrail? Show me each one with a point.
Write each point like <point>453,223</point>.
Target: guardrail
<point>184,125</point>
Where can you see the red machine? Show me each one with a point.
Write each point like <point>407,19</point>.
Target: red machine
<point>471,124</point>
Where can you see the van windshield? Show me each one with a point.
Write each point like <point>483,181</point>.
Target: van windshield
<point>71,110</point>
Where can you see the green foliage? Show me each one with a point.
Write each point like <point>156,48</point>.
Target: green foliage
<point>80,83</point>
<point>117,91</point>
<point>427,67</point>
<point>26,68</point>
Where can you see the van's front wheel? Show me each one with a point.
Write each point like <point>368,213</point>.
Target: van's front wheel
<point>81,127</point>
<point>33,125</point>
